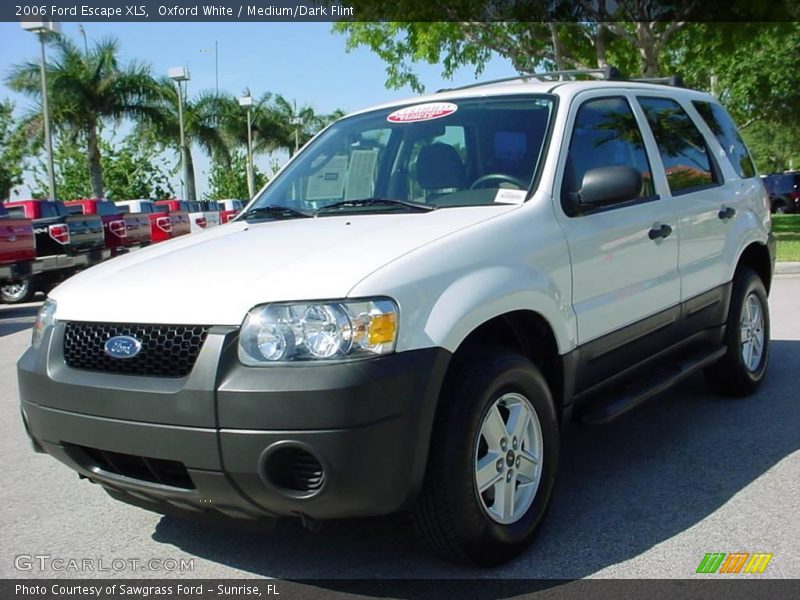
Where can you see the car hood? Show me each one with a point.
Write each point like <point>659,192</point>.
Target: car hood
<point>215,277</point>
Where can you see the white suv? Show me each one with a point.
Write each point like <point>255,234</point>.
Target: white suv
<point>409,314</point>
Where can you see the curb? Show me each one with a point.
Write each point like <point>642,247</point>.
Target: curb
<point>787,268</point>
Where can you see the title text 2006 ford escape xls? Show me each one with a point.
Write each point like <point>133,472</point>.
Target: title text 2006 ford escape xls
<point>420,301</point>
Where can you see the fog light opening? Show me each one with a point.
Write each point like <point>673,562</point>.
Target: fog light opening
<point>294,471</point>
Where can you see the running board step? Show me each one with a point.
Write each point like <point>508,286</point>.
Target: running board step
<point>662,381</point>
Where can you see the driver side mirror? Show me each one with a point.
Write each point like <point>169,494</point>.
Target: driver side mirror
<point>604,186</point>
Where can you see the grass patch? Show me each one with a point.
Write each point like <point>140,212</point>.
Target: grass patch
<point>787,231</point>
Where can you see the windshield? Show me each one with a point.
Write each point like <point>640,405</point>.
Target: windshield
<point>467,152</point>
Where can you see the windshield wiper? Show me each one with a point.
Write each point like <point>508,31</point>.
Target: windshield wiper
<point>273,210</point>
<point>376,202</point>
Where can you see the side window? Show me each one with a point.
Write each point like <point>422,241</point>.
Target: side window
<point>683,148</point>
<point>605,134</point>
<point>728,137</point>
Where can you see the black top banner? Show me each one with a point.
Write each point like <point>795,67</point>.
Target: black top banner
<point>395,10</point>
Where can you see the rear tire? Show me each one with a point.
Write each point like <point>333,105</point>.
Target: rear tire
<point>741,370</point>
<point>17,292</point>
<point>467,453</point>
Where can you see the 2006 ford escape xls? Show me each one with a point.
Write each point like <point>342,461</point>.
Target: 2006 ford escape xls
<point>409,314</point>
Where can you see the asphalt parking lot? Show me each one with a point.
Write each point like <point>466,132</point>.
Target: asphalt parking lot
<point>644,497</point>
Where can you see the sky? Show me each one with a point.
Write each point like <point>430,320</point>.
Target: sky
<point>301,61</point>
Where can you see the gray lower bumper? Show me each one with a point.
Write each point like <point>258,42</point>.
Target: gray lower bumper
<point>367,424</point>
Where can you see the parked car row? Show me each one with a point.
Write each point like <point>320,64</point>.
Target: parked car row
<point>43,242</point>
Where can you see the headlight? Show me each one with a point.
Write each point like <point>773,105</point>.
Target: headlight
<point>308,331</point>
<point>44,319</point>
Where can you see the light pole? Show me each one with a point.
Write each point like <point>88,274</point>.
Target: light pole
<point>42,28</point>
<point>178,74</point>
<point>251,185</point>
<point>297,120</point>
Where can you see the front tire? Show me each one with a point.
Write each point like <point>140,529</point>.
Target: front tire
<point>492,462</point>
<point>741,370</point>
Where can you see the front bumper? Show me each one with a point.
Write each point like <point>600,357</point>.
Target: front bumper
<point>222,439</point>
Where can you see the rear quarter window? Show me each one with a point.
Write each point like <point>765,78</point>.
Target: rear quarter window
<point>723,128</point>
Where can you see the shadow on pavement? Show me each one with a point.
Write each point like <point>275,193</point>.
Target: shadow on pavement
<point>17,318</point>
<point>623,488</point>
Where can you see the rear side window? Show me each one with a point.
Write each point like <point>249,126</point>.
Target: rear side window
<point>605,134</point>
<point>728,137</point>
<point>687,160</point>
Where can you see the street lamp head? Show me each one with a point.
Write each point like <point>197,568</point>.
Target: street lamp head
<point>41,26</point>
<point>178,74</point>
<point>246,101</point>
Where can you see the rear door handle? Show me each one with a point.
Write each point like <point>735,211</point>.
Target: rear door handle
<point>726,212</point>
<point>660,232</point>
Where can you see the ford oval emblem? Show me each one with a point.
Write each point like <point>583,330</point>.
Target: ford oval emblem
<point>123,346</point>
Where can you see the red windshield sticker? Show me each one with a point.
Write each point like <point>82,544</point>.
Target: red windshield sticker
<point>422,112</point>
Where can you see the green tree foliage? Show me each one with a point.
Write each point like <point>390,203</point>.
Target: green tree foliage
<point>754,68</point>
<point>136,169</point>
<point>230,180</point>
<point>87,88</point>
<point>14,147</point>
<point>72,176</point>
<point>132,169</point>
<point>640,38</point>
<point>774,146</point>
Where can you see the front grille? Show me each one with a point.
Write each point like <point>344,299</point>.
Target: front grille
<point>154,470</point>
<point>167,350</point>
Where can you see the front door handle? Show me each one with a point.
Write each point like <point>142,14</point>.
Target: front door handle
<point>726,212</point>
<point>660,232</point>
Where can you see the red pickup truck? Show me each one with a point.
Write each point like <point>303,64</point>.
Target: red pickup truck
<point>178,214</point>
<point>122,230</point>
<point>17,248</point>
<point>160,223</point>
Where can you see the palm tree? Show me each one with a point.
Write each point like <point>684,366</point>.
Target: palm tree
<point>299,124</point>
<point>204,117</point>
<point>86,88</point>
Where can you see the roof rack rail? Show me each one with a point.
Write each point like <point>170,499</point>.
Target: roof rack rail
<point>673,80</point>
<point>605,73</point>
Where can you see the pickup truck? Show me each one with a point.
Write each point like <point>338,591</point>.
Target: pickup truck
<point>160,223</point>
<point>178,214</point>
<point>122,230</point>
<point>65,244</point>
<point>197,217</point>
<point>211,209</point>
<point>229,208</point>
<point>17,248</point>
